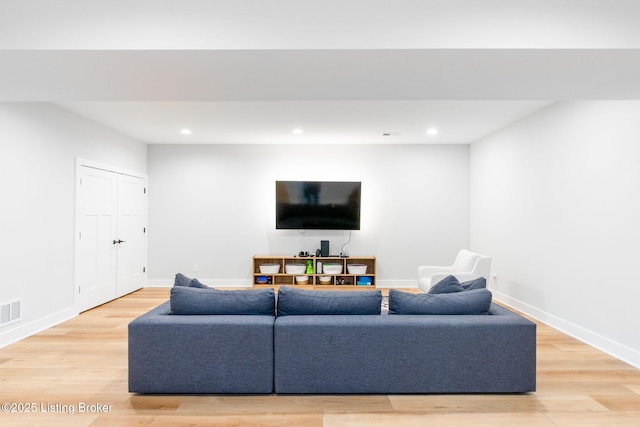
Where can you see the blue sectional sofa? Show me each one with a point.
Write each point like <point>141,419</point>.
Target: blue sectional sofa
<point>330,342</point>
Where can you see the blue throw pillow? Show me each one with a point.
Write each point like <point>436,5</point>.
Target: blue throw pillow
<point>479,283</point>
<point>181,280</point>
<point>191,300</point>
<point>293,301</point>
<point>448,285</point>
<point>477,301</point>
<point>195,283</point>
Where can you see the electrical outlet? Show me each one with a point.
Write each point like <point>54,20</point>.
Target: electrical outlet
<point>195,268</point>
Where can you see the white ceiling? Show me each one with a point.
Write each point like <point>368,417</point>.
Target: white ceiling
<point>323,122</point>
<point>250,71</point>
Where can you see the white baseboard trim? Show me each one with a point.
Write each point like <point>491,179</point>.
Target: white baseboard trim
<point>615,349</point>
<point>238,283</point>
<point>159,283</point>
<point>396,284</point>
<point>214,283</point>
<point>21,330</point>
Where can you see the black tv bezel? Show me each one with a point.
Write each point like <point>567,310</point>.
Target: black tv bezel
<point>342,224</point>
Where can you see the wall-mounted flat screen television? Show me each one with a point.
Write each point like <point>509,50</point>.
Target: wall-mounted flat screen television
<point>318,205</point>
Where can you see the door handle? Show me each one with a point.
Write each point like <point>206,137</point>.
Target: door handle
<point>118,241</point>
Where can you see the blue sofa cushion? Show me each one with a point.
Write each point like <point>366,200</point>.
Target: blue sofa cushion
<point>477,301</point>
<point>448,285</point>
<point>293,301</point>
<point>192,300</point>
<point>479,283</point>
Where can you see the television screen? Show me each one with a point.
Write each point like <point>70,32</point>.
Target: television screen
<point>318,205</point>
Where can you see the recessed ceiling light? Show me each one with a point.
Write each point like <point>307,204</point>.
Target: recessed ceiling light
<point>298,131</point>
<point>432,131</point>
<point>185,131</point>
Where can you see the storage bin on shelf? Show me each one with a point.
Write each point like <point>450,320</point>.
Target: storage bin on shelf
<point>331,268</point>
<point>269,268</point>
<point>364,281</point>
<point>264,280</point>
<point>295,268</point>
<point>324,280</point>
<point>357,268</point>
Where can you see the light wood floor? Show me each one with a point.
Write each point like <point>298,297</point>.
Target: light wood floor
<point>84,361</point>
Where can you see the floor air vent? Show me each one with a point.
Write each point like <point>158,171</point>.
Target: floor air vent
<point>10,312</point>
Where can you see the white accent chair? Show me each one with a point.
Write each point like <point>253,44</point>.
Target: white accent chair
<point>467,266</point>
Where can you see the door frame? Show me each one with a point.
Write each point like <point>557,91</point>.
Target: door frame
<point>80,163</point>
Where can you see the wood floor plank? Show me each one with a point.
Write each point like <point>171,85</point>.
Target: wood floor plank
<point>461,403</point>
<point>597,419</point>
<point>84,362</point>
<point>439,419</point>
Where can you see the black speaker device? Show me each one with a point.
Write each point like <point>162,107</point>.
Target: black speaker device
<point>324,247</point>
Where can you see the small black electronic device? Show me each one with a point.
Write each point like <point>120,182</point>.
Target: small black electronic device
<point>324,247</point>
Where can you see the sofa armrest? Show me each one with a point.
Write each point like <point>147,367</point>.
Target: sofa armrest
<point>426,273</point>
<point>430,270</point>
<point>200,353</point>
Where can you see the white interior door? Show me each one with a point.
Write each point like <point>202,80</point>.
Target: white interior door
<point>111,227</point>
<point>131,234</point>
<point>97,227</point>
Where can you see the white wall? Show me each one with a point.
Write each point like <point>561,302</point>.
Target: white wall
<point>555,200</point>
<point>214,206</point>
<point>39,143</point>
